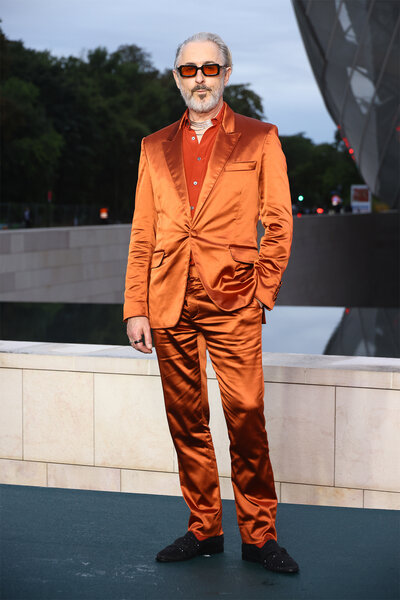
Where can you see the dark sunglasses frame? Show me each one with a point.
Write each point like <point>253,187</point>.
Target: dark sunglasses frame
<point>179,69</point>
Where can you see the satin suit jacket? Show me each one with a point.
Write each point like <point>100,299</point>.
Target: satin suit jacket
<point>246,180</point>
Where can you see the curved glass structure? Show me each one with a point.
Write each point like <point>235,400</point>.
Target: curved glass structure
<point>366,332</point>
<point>354,49</point>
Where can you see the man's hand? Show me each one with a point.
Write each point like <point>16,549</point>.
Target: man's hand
<point>137,327</point>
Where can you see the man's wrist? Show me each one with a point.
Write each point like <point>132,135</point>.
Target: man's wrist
<point>126,319</point>
<point>137,317</point>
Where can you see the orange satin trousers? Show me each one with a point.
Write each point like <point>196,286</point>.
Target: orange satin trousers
<point>233,341</point>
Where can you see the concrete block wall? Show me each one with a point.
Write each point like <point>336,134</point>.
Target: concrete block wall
<point>92,417</point>
<point>87,264</point>
<point>66,264</point>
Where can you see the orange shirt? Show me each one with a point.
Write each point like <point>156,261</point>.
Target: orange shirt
<point>196,156</point>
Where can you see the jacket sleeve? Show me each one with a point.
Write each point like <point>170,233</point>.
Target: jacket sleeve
<point>142,242</point>
<point>276,218</point>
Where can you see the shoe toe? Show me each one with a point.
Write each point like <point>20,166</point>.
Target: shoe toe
<point>168,554</point>
<point>280,561</point>
<point>183,548</point>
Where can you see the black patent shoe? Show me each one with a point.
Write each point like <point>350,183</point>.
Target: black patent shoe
<point>271,556</point>
<point>189,546</point>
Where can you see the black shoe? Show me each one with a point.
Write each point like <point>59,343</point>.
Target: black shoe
<point>271,556</point>
<point>189,546</point>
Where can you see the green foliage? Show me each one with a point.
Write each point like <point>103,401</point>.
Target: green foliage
<point>31,146</point>
<point>244,101</point>
<point>317,170</point>
<point>74,126</point>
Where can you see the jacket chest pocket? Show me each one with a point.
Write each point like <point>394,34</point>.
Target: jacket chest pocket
<point>248,165</point>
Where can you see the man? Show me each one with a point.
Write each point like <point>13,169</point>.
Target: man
<point>195,275</point>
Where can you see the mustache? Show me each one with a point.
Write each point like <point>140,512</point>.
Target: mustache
<point>198,88</point>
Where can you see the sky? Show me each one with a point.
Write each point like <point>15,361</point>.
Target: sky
<point>263,36</point>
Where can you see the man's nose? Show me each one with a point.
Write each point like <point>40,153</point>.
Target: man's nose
<point>199,76</point>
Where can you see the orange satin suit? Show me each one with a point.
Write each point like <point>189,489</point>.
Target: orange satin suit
<point>213,305</point>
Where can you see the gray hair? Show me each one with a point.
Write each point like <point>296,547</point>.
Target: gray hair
<point>204,36</point>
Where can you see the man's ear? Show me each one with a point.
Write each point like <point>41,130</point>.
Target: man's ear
<point>228,72</point>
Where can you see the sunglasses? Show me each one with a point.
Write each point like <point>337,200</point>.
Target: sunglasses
<point>210,70</point>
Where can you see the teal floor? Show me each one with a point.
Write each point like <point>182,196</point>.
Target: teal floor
<point>74,544</point>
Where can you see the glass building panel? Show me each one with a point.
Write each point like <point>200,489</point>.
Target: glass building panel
<point>354,48</point>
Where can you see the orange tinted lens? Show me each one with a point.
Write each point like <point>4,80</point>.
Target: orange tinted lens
<point>210,69</point>
<point>187,70</point>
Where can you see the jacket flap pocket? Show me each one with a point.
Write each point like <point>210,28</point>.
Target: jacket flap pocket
<point>157,258</point>
<point>248,165</point>
<point>244,254</point>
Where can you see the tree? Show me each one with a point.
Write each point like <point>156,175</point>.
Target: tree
<point>31,146</point>
<point>317,170</point>
<point>244,101</point>
<point>75,125</point>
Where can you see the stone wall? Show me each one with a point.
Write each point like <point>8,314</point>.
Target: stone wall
<point>336,260</point>
<point>92,417</point>
<point>66,264</point>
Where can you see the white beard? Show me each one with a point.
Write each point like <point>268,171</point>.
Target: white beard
<point>206,105</point>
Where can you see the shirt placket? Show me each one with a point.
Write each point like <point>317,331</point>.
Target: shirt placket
<point>196,173</point>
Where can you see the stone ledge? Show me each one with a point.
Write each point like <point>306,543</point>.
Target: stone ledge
<point>96,414</point>
<point>344,371</point>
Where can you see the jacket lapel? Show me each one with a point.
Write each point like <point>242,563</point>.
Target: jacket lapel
<point>174,157</point>
<point>224,144</point>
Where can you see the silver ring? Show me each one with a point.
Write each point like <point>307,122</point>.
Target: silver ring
<point>137,342</point>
